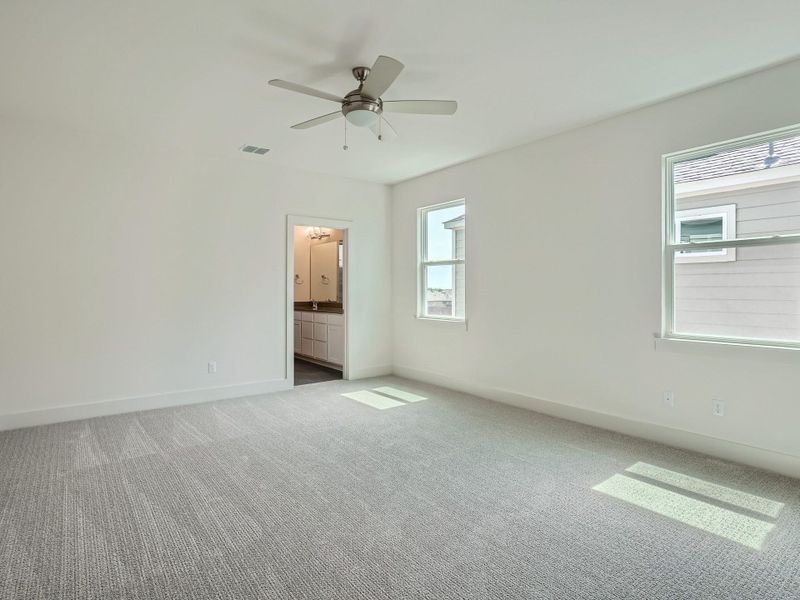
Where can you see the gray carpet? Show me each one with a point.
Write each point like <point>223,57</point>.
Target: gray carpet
<point>309,494</point>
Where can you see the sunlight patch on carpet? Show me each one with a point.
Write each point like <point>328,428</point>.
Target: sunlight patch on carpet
<point>372,399</point>
<point>399,394</point>
<point>751,502</point>
<point>742,529</point>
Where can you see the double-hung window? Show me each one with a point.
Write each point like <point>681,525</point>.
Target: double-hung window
<point>441,267</point>
<point>732,241</point>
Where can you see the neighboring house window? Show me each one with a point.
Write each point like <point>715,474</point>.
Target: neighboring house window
<point>732,241</point>
<point>441,236</point>
<point>709,224</point>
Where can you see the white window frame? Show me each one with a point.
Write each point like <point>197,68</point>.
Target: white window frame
<point>422,263</point>
<point>671,244</point>
<point>728,214</point>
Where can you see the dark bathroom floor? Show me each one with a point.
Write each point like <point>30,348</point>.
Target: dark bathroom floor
<point>306,372</point>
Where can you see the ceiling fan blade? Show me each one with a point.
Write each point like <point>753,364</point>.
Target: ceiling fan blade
<point>302,89</point>
<point>383,130</point>
<point>318,120</point>
<point>381,76</point>
<point>421,107</point>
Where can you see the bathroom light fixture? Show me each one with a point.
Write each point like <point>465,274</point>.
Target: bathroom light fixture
<point>317,233</point>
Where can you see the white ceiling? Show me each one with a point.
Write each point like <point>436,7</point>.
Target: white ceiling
<point>193,72</point>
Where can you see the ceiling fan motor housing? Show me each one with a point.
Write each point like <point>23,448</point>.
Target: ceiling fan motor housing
<point>361,110</point>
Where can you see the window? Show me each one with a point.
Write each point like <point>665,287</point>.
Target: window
<point>713,223</point>
<point>732,241</point>
<point>441,235</point>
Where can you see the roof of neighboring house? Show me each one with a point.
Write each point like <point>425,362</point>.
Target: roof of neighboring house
<point>454,223</point>
<point>735,162</point>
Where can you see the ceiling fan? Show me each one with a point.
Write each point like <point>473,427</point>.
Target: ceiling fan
<point>364,106</point>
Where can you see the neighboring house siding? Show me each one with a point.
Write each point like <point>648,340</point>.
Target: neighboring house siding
<point>459,272</point>
<point>758,294</point>
<point>459,243</point>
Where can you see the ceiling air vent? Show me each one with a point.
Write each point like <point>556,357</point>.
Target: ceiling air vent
<point>254,150</point>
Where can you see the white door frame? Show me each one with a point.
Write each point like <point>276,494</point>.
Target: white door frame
<point>305,221</point>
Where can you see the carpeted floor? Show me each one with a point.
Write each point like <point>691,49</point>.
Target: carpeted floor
<point>309,494</point>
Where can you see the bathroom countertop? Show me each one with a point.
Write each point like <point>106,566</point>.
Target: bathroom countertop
<point>322,307</point>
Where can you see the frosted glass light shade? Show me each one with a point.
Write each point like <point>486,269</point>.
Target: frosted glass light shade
<point>361,118</point>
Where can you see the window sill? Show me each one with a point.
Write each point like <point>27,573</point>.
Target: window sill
<point>726,348</point>
<point>441,319</point>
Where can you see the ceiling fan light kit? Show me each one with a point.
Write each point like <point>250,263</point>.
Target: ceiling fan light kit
<point>364,107</point>
<point>360,110</point>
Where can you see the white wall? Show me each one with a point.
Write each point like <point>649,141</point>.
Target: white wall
<point>124,270</point>
<point>564,281</point>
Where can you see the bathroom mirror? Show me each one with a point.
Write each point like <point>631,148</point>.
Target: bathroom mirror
<point>326,271</point>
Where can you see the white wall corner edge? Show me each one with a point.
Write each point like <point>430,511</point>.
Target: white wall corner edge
<point>770,460</point>
<point>367,372</point>
<point>103,408</point>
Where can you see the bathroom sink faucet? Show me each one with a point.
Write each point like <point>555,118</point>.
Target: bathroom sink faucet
<point>314,305</point>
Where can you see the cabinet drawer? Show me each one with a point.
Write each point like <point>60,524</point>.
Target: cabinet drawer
<point>307,316</point>
<point>307,347</point>
<point>335,319</point>
<point>320,350</point>
<point>297,314</point>
<point>320,318</point>
<point>308,330</point>
<point>321,332</point>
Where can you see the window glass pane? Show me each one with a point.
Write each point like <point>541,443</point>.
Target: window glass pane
<point>444,291</point>
<point>762,181</point>
<point>757,295</point>
<point>701,230</point>
<point>445,233</point>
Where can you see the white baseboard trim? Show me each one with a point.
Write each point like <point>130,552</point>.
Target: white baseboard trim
<point>58,414</point>
<point>771,460</point>
<point>367,372</point>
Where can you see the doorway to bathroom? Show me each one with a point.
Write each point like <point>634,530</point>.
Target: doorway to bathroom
<point>317,301</point>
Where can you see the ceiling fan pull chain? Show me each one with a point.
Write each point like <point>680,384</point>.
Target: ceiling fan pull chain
<point>345,135</point>
<point>380,130</point>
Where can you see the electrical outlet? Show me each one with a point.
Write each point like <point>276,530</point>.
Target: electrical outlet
<point>718,408</point>
<point>669,399</point>
<point>212,366</point>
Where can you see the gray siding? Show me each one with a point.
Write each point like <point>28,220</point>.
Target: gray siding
<point>758,294</point>
<point>459,272</point>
